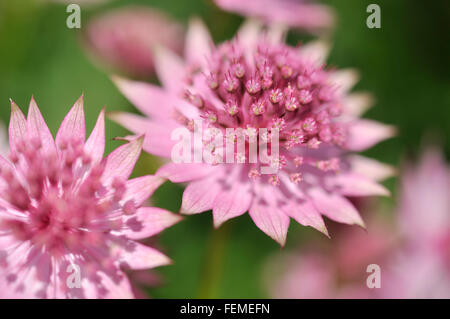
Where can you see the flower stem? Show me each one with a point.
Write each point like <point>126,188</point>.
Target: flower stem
<point>213,270</point>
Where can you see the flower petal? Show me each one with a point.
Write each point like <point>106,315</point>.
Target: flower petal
<point>132,122</point>
<point>141,188</point>
<point>351,184</point>
<point>231,203</point>
<point>17,127</point>
<point>363,134</point>
<point>95,145</point>
<point>270,219</point>
<point>335,207</point>
<point>344,80</point>
<point>158,139</point>
<point>38,128</point>
<point>170,69</point>
<point>370,168</point>
<point>356,104</point>
<point>149,221</point>
<point>198,42</point>
<point>199,196</point>
<point>120,163</point>
<point>316,51</point>
<point>73,125</point>
<point>304,212</point>
<point>149,99</point>
<point>138,256</point>
<point>180,172</point>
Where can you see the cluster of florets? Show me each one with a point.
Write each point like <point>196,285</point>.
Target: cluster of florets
<point>274,87</point>
<point>61,197</point>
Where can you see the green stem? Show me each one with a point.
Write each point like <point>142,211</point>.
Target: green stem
<point>213,270</point>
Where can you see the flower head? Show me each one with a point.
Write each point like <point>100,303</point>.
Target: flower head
<point>63,209</point>
<point>293,13</point>
<point>261,88</point>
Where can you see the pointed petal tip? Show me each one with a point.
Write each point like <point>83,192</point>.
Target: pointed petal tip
<point>118,80</point>
<point>324,231</point>
<point>217,223</point>
<point>13,104</point>
<point>361,224</point>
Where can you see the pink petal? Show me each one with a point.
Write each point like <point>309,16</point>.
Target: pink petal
<point>73,125</point>
<point>149,221</point>
<point>114,289</point>
<point>270,219</point>
<point>351,184</point>
<point>363,134</point>
<point>354,105</point>
<point>304,212</point>
<point>158,139</point>
<point>231,203</point>
<point>38,129</point>
<point>120,163</point>
<point>149,99</point>
<point>199,196</point>
<point>198,42</point>
<point>316,51</point>
<point>248,36</point>
<point>132,122</point>
<point>170,69</point>
<point>157,135</point>
<point>371,168</point>
<point>17,127</point>
<point>180,172</point>
<point>138,256</point>
<point>335,207</point>
<point>141,188</point>
<point>344,80</point>
<point>95,145</point>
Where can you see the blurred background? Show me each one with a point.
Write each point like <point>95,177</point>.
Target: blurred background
<point>405,64</point>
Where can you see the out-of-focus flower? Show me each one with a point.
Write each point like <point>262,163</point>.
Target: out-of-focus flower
<point>124,38</point>
<point>292,13</point>
<point>413,256</point>
<point>337,269</point>
<point>64,211</point>
<point>256,81</point>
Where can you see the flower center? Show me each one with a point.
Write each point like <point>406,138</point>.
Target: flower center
<point>59,198</point>
<point>272,88</point>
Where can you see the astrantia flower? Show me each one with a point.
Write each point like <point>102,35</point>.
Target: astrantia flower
<point>293,13</point>
<point>64,210</point>
<point>256,81</point>
<point>123,38</point>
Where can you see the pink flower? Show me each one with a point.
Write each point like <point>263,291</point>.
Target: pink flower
<point>65,211</point>
<point>256,81</point>
<point>123,38</point>
<point>336,269</point>
<point>413,255</point>
<point>293,13</point>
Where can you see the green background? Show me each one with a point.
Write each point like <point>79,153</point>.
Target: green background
<point>405,64</point>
